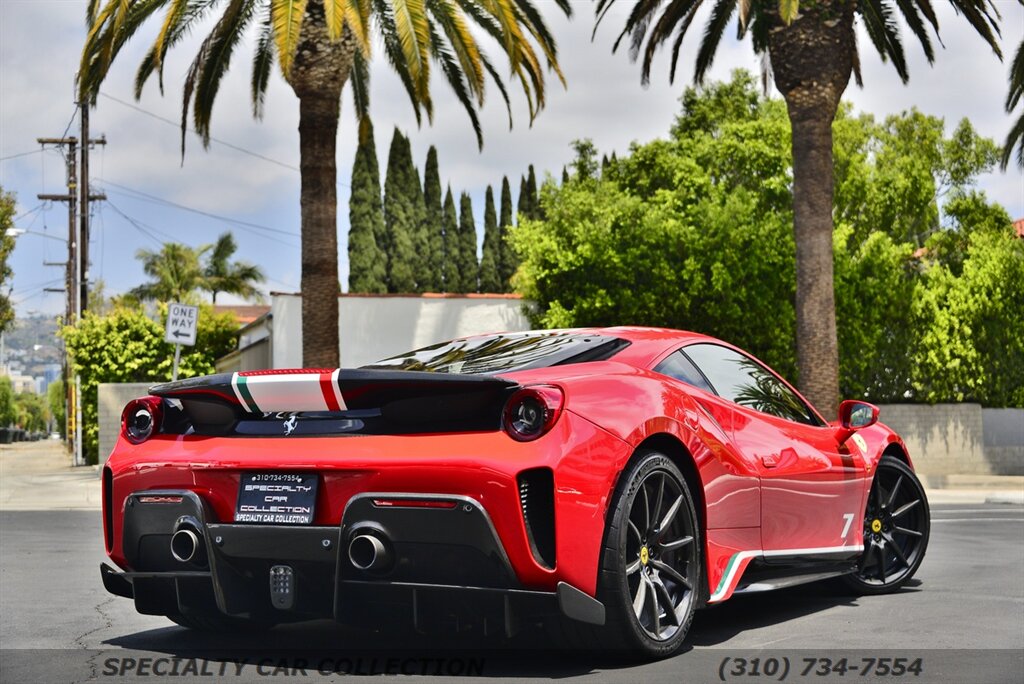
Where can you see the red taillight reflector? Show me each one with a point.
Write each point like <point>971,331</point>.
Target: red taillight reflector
<point>159,499</point>
<point>141,419</point>
<point>415,503</point>
<point>532,411</point>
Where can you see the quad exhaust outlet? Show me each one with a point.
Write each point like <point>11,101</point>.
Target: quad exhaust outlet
<point>369,553</point>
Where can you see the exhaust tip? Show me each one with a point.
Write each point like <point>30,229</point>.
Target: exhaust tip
<point>369,553</point>
<point>184,545</point>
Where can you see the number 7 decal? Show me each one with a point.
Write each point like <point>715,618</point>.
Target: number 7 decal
<point>848,517</point>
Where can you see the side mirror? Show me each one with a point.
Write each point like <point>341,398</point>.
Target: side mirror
<point>854,415</point>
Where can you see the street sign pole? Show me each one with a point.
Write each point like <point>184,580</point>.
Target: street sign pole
<point>177,357</point>
<point>182,323</point>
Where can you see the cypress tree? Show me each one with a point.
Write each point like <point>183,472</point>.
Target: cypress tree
<point>507,259</point>
<point>433,212</point>
<point>531,189</point>
<point>490,279</point>
<point>418,227</point>
<point>451,245</point>
<point>565,176</point>
<point>401,217</point>
<point>367,262</point>
<point>467,266</point>
<point>523,204</point>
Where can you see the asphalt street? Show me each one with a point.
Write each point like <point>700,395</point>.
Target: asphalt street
<point>963,617</point>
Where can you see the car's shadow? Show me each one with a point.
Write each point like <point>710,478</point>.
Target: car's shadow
<point>531,654</point>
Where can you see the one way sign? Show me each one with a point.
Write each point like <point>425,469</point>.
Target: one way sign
<point>182,321</point>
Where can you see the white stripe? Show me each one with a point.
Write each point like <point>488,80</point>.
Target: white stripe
<point>726,583</point>
<point>241,399</point>
<point>337,390</point>
<point>287,392</point>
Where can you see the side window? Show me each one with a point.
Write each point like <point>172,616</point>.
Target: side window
<point>681,368</point>
<point>746,382</point>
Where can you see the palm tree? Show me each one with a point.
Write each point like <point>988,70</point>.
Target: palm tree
<point>233,277</point>
<point>320,45</point>
<point>175,270</point>
<point>1016,136</point>
<point>811,48</point>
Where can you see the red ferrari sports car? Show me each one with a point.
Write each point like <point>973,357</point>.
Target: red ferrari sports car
<point>606,481</point>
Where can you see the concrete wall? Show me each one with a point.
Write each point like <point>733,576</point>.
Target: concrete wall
<point>112,398</point>
<point>1004,440</point>
<point>960,439</point>
<point>376,327</point>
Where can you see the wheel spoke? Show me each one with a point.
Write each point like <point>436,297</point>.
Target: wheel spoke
<point>896,549</point>
<point>902,510</point>
<point>671,514</point>
<point>632,528</point>
<point>895,489</point>
<point>647,509</point>
<point>671,572</point>
<point>904,530</point>
<point>657,503</point>
<point>638,599</point>
<point>666,600</point>
<point>881,564</point>
<point>653,603</point>
<point>632,567</point>
<point>877,489</point>
<point>676,544</point>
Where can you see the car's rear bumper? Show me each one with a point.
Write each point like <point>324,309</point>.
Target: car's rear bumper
<point>440,560</point>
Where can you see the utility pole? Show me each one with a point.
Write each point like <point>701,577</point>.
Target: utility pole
<point>84,202</point>
<point>76,286</point>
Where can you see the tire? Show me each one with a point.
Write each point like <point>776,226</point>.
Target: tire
<point>220,623</point>
<point>897,524</point>
<point>642,564</point>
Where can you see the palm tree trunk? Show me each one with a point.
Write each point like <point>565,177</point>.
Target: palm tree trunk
<point>812,60</point>
<point>318,131</point>
<point>318,75</point>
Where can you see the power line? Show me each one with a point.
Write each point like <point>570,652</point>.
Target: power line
<point>21,154</point>
<point>136,224</point>
<point>236,148</point>
<point>226,219</point>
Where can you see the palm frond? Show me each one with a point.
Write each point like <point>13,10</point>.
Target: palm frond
<point>1015,138</point>
<point>788,10</point>
<point>884,33</point>
<point>262,65</point>
<point>413,33</point>
<point>456,29</point>
<point>539,30</point>
<point>172,20</point>
<point>456,78</point>
<point>287,17</point>
<point>912,16</point>
<point>196,11</point>
<point>352,13</point>
<point>360,79</point>
<point>394,54</point>
<point>1016,79</point>
<point>984,16</point>
<point>677,17</point>
<point>713,30</point>
<point>114,24</point>
<point>498,81</point>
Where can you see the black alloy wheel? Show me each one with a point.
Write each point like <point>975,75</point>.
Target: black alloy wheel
<point>650,582</point>
<point>897,523</point>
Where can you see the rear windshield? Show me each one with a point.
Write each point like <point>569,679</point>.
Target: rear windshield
<point>504,353</point>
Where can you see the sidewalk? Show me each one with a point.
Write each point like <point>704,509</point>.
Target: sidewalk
<point>38,476</point>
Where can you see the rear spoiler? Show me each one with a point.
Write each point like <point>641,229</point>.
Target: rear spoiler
<point>305,389</point>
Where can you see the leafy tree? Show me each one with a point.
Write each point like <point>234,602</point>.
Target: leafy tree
<point>7,208</point>
<point>233,277</point>
<point>507,260</point>
<point>56,397</point>
<point>402,216</point>
<point>128,346</point>
<point>31,410</point>
<point>367,261</point>
<point>434,222</point>
<point>490,280</point>
<point>8,414</point>
<point>176,272</point>
<point>811,48</point>
<point>452,246</point>
<point>585,166</point>
<point>467,265</point>
<point>320,45</point>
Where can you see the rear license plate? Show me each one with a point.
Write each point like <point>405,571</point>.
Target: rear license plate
<point>276,498</point>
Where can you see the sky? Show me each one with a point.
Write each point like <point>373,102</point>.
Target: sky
<point>247,182</point>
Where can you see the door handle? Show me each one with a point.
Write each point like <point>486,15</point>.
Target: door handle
<point>770,461</point>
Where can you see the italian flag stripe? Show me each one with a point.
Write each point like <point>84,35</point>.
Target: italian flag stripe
<point>244,395</point>
<point>327,387</point>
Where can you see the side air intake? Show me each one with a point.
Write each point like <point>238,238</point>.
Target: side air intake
<point>537,499</point>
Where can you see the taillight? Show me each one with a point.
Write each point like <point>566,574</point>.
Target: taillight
<point>532,411</point>
<point>141,418</point>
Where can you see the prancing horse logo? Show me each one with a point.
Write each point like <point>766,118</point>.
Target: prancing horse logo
<point>290,425</point>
